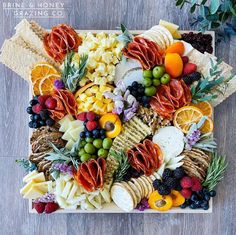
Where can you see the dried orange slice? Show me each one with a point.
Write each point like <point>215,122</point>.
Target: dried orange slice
<point>205,107</point>
<point>208,126</point>
<point>43,76</point>
<point>186,116</point>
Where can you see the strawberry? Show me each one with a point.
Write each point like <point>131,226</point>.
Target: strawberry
<point>91,116</point>
<point>51,103</point>
<point>82,116</point>
<point>51,207</point>
<point>42,99</point>
<point>186,182</point>
<point>91,125</point>
<point>186,193</point>
<point>196,184</point>
<point>39,207</point>
<point>37,108</point>
<point>189,68</point>
<point>185,59</point>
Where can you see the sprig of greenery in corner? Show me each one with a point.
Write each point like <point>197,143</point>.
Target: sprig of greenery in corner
<point>212,14</point>
<point>215,171</point>
<point>71,75</point>
<point>26,164</point>
<point>124,165</point>
<point>126,37</point>
<point>208,88</point>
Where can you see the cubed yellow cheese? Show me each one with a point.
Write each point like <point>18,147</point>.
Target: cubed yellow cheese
<point>107,101</point>
<point>110,107</point>
<point>98,105</point>
<point>88,106</point>
<point>33,193</point>
<point>88,92</point>
<point>99,96</point>
<point>104,88</point>
<point>82,97</point>
<point>94,89</point>
<point>91,100</point>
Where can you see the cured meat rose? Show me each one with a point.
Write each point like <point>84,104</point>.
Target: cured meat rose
<point>65,104</point>
<point>61,40</point>
<point>90,174</point>
<point>145,157</point>
<point>171,97</point>
<point>148,53</point>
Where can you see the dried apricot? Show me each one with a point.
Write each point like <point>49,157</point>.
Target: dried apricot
<point>177,47</point>
<point>173,64</point>
<point>159,202</point>
<point>177,198</point>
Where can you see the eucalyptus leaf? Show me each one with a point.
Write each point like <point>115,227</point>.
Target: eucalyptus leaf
<point>214,6</point>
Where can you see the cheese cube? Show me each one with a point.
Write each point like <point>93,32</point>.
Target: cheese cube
<point>91,99</point>
<point>104,88</point>
<point>107,101</point>
<point>110,107</point>
<point>94,89</point>
<point>88,92</point>
<point>82,97</point>
<point>37,178</point>
<point>98,105</point>
<point>76,132</point>
<point>99,96</point>
<point>75,124</point>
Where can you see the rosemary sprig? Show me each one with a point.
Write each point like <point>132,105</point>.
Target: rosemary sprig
<point>215,171</point>
<point>71,75</point>
<point>126,37</point>
<point>26,164</point>
<point>208,88</point>
<point>123,165</point>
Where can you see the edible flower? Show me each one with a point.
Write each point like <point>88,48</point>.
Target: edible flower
<point>143,205</point>
<point>58,84</point>
<point>46,198</point>
<point>63,168</point>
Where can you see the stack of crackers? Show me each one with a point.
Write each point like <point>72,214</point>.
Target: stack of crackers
<point>25,49</point>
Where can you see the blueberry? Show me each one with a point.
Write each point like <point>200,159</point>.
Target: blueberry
<point>212,193</point>
<point>145,99</point>
<point>206,207</point>
<point>194,198</point>
<point>184,205</point>
<point>29,110</point>
<point>42,123</point>
<point>204,203</point>
<point>37,117</point>
<point>200,194</point>
<point>103,137</point>
<point>88,134</point>
<point>193,206</point>
<point>102,132</point>
<point>139,98</point>
<point>207,197</point>
<point>205,191</point>
<point>35,124</point>
<point>30,124</point>
<point>82,134</point>
<point>50,122</point>
<point>198,203</point>
<point>31,117</point>
<point>135,84</point>
<point>33,102</point>
<point>44,114</point>
<point>95,132</point>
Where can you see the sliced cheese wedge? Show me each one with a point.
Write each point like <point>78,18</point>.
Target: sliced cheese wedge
<point>33,193</point>
<point>28,176</point>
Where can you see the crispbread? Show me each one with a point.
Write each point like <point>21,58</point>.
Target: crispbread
<point>143,184</point>
<point>131,191</point>
<point>148,185</point>
<point>136,190</point>
<point>134,181</point>
<point>122,197</point>
<point>19,59</point>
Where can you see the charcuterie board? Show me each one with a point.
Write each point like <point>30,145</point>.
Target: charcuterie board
<point>120,121</point>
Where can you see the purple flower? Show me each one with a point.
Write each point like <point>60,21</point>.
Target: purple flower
<point>143,205</point>
<point>121,86</point>
<point>192,138</point>
<point>48,197</point>
<point>59,84</point>
<point>63,168</point>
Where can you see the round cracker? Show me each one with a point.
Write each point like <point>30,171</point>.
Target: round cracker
<point>134,181</point>
<point>141,186</point>
<point>148,184</point>
<point>165,34</point>
<point>136,191</point>
<point>126,185</point>
<point>122,198</point>
<point>146,191</point>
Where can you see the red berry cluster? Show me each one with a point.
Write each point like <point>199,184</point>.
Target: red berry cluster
<point>190,185</point>
<point>48,208</point>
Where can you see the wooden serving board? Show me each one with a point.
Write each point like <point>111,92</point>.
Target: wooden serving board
<point>111,207</point>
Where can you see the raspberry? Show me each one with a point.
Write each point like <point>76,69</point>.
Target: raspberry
<point>189,68</point>
<point>186,182</point>
<point>39,207</point>
<point>82,116</point>
<point>196,184</point>
<point>37,108</point>
<point>51,207</point>
<point>51,103</point>
<point>91,116</point>
<point>42,99</point>
<point>91,125</point>
<point>186,193</point>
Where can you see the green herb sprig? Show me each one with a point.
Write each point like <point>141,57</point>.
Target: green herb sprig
<point>126,37</point>
<point>26,164</point>
<point>208,88</point>
<point>215,171</point>
<point>71,75</point>
<point>124,165</point>
<point>212,13</point>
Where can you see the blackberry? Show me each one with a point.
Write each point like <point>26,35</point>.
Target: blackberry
<point>187,80</point>
<point>135,84</point>
<point>178,187</point>
<point>167,173</point>
<point>163,190</point>
<point>179,173</point>
<point>170,182</point>
<point>195,76</point>
<point>156,183</point>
